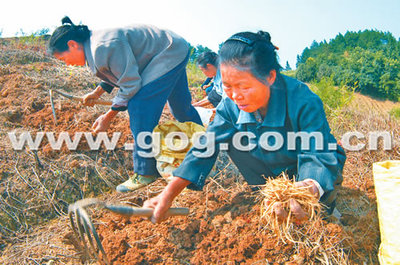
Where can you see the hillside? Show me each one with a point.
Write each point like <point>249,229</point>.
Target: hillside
<point>224,225</point>
<point>368,61</point>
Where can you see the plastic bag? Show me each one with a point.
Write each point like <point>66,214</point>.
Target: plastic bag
<point>205,114</point>
<point>387,188</point>
<point>168,160</point>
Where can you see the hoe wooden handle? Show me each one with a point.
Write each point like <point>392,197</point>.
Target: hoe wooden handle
<point>146,212</point>
<point>80,99</point>
<point>100,102</point>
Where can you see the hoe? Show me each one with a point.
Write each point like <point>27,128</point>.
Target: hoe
<point>82,225</point>
<point>73,98</point>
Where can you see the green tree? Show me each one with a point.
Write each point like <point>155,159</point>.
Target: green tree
<point>368,60</point>
<point>307,71</point>
<point>196,51</point>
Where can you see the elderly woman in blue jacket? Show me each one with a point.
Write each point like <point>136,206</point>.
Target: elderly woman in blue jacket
<point>147,64</point>
<point>254,123</point>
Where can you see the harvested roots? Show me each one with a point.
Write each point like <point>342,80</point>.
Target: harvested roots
<point>313,238</point>
<point>282,190</point>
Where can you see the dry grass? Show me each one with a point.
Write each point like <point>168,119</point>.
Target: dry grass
<point>41,189</point>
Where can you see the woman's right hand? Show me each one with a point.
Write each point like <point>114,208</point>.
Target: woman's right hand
<point>163,201</point>
<point>160,204</point>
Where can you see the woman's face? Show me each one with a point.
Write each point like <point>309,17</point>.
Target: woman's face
<point>245,90</point>
<point>209,71</point>
<point>74,56</point>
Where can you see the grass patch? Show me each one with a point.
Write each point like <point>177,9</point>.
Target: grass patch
<point>195,79</point>
<point>290,73</point>
<point>333,97</point>
<point>395,112</point>
<point>195,75</point>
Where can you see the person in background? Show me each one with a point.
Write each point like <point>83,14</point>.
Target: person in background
<point>208,64</point>
<point>146,64</point>
<point>261,101</point>
<point>207,84</point>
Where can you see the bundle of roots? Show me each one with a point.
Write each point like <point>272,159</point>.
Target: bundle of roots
<point>314,238</point>
<point>282,190</point>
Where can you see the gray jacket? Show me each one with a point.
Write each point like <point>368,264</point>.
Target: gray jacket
<point>132,57</point>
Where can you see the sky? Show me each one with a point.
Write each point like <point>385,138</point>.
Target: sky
<point>293,24</point>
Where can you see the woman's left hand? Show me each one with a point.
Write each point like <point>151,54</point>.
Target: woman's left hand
<point>103,122</point>
<point>295,207</point>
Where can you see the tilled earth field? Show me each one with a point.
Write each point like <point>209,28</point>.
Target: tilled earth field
<point>224,224</point>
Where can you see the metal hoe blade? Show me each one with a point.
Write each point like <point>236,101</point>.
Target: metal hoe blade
<point>52,106</point>
<point>82,225</point>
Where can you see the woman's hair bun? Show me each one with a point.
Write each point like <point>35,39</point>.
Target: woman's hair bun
<point>67,20</point>
<point>264,35</point>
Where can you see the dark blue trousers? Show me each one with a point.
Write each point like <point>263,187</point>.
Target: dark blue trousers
<point>146,106</point>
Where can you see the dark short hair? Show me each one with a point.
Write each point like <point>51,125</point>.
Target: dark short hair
<point>68,31</point>
<point>207,58</point>
<point>251,52</point>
